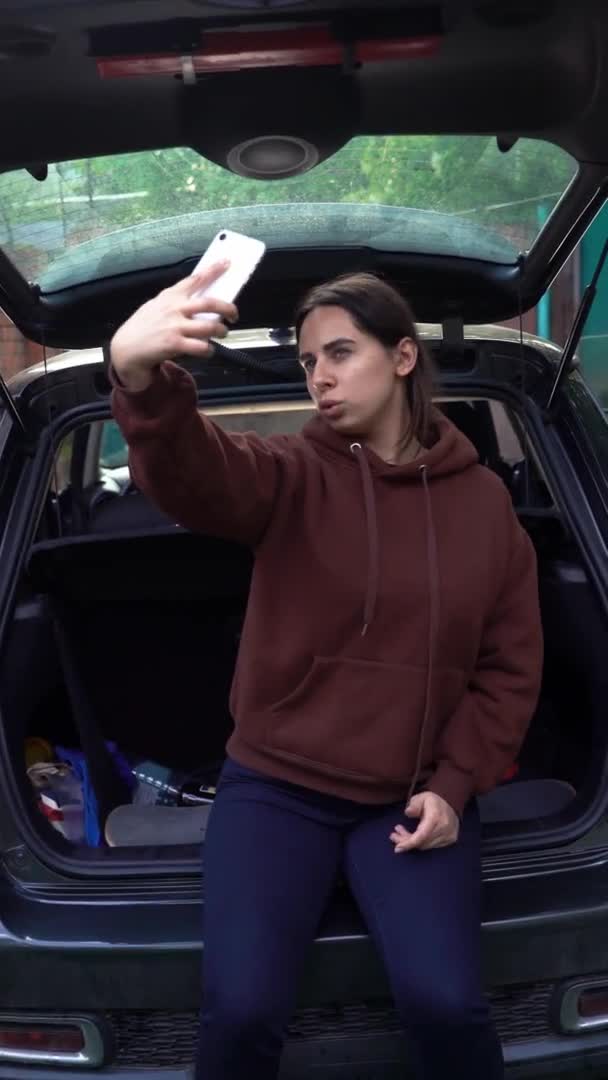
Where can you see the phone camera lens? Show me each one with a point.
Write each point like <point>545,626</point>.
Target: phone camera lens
<point>222,236</point>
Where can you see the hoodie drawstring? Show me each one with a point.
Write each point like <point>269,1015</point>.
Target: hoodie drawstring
<point>373,572</point>
<point>433,625</point>
<point>373,564</point>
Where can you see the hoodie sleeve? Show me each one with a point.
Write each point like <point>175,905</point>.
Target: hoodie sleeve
<point>483,736</point>
<point>196,473</point>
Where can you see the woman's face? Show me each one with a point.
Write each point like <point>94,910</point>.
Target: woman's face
<point>355,381</point>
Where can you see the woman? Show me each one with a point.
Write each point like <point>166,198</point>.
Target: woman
<point>389,666</point>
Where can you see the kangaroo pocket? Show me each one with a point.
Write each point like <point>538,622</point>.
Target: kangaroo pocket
<point>361,717</point>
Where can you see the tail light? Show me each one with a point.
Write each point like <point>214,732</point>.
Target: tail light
<point>40,1039</point>
<point>584,1006</point>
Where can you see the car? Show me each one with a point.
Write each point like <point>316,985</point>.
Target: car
<point>416,140</point>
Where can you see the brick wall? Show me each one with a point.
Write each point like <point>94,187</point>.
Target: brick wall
<point>16,352</point>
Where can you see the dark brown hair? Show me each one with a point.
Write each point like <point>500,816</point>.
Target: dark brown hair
<point>378,309</point>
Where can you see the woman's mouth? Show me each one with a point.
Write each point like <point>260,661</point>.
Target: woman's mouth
<point>331,408</point>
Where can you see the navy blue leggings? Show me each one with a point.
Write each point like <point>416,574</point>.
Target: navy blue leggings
<point>272,854</point>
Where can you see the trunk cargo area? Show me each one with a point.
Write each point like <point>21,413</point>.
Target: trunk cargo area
<point>147,622</point>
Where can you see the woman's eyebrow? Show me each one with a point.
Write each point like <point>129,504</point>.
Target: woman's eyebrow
<point>327,347</point>
<point>337,341</point>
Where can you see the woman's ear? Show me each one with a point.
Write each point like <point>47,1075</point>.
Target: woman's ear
<point>406,355</point>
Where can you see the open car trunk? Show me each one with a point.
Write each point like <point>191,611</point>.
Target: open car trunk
<point>126,634</point>
<point>132,633</point>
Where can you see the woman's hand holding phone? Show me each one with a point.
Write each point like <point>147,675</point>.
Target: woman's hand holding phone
<point>167,326</point>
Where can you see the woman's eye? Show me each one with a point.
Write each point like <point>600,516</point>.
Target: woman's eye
<point>308,364</point>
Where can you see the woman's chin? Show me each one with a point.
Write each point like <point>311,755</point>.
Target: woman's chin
<point>340,420</point>
<point>338,424</point>
<point>349,427</point>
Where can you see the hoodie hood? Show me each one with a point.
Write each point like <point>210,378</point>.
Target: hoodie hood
<point>451,452</point>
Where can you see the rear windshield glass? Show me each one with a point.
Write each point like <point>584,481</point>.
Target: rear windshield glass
<point>445,195</point>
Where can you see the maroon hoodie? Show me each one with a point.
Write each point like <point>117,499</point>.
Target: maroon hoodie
<point>392,633</point>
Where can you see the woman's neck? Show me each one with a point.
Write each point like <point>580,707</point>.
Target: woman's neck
<point>405,454</point>
<point>389,443</point>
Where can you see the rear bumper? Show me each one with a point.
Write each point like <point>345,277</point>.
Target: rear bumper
<point>583,1056</point>
<point>14,1072</point>
<point>384,1059</point>
<point>373,1059</point>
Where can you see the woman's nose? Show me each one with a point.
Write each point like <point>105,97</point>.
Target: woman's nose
<point>323,377</point>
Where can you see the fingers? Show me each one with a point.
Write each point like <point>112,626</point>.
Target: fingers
<point>203,329</point>
<point>191,337</point>
<point>202,279</point>
<point>415,807</point>
<point>194,347</point>
<point>438,826</point>
<point>199,305</point>
<point>420,838</point>
<point>164,327</point>
<point>439,842</point>
<point>420,841</point>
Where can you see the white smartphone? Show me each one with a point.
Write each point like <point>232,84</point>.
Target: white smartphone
<point>244,253</point>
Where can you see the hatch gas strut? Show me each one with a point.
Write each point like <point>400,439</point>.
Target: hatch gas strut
<point>7,398</point>
<point>578,325</point>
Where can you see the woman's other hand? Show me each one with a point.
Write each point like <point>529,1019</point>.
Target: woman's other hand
<point>438,826</point>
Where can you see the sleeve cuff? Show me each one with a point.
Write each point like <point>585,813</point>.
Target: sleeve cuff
<point>453,785</point>
<point>151,400</point>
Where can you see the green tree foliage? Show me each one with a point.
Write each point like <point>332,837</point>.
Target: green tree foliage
<point>468,176</point>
